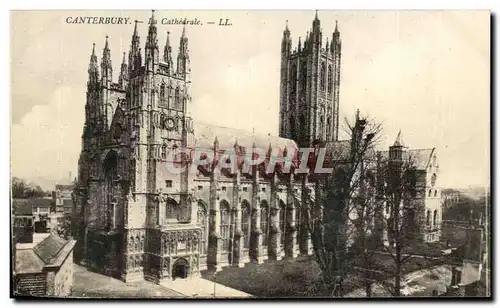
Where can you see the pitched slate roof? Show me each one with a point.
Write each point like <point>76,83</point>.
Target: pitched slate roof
<point>50,251</point>
<point>22,207</point>
<point>27,261</point>
<point>227,137</point>
<point>421,157</point>
<point>49,247</point>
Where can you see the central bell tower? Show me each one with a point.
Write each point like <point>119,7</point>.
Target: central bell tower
<point>309,91</point>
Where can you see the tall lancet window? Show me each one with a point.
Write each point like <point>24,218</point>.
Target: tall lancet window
<point>303,81</point>
<point>111,176</point>
<point>282,222</point>
<point>225,223</point>
<point>322,78</point>
<point>293,79</point>
<point>321,127</point>
<point>264,222</point>
<point>177,98</point>
<point>245,223</point>
<point>293,129</point>
<point>330,79</point>
<point>302,128</point>
<point>202,222</point>
<point>163,99</point>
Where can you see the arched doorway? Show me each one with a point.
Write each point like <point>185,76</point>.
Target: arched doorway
<point>180,269</point>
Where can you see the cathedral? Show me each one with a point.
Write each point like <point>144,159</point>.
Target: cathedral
<point>138,220</point>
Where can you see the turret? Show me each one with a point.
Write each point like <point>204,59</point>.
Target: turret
<point>336,41</point>
<point>396,151</point>
<point>151,49</point>
<point>286,43</point>
<point>167,55</point>
<point>316,30</point>
<point>93,70</point>
<point>123,78</point>
<point>106,67</point>
<point>183,63</point>
<point>134,53</point>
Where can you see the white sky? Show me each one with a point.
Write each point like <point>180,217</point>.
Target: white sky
<point>426,73</point>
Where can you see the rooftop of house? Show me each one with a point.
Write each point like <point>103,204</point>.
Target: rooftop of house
<point>22,207</point>
<point>50,252</point>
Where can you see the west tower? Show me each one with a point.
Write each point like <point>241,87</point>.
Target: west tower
<point>309,91</point>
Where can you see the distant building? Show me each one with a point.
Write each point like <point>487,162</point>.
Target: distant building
<point>23,220</point>
<point>426,204</point>
<point>62,197</point>
<point>44,269</point>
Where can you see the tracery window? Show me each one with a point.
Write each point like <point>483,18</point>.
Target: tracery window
<point>428,219</point>
<point>322,78</point>
<point>330,79</point>
<point>162,94</point>
<point>264,222</point>
<point>293,79</point>
<point>245,223</point>
<point>202,221</point>
<point>225,225</point>
<point>435,218</point>
<point>283,222</point>
<point>172,209</point>
<point>177,98</point>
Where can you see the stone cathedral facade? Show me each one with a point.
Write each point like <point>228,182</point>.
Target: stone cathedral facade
<point>135,219</point>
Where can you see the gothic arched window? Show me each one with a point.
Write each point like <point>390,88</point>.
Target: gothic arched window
<point>434,220</point>
<point>302,125</point>
<point>162,94</point>
<point>202,221</point>
<point>330,79</point>
<point>172,209</point>
<point>225,223</point>
<point>177,98</point>
<point>322,126</point>
<point>293,129</point>
<point>293,79</point>
<point>303,78</point>
<point>322,78</point>
<point>264,222</point>
<point>328,127</point>
<point>428,218</point>
<point>245,223</point>
<point>283,222</point>
<point>164,151</point>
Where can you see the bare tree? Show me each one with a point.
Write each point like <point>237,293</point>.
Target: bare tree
<point>397,191</point>
<point>329,218</point>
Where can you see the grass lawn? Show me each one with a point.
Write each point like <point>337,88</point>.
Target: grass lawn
<point>90,284</point>
<point>297,278</point>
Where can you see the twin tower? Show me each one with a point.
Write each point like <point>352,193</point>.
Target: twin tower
<point>309,93</point>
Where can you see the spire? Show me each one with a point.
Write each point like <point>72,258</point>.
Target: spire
<point>336,26</point>
<point>134,50</point>
<point>93,67</point>
<point>152,52</point>
<point>167,54</point>
<point>123,78</point>
<point>300,44</point>
<point>106,67</point>
<point>286,32</point>
<point>399,140</point>
<point>183,56</point>
<point>316,23</point>
<point>135,28</point>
